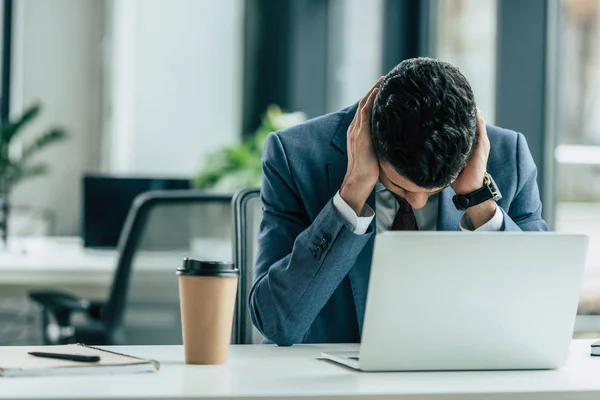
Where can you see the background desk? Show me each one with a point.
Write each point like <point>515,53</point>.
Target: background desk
<point>294,372</point>
<point>54,263</point>
<point>63,264</point>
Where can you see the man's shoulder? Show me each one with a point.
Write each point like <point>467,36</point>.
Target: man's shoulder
<point>508,153</point>
<point>312,135</point>
<point>504,143</point>
<point>502,136</point>
<point>301,154</point>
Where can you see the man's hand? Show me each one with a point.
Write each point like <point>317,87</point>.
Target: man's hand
<point>471,177</point>
<point>363,166</point>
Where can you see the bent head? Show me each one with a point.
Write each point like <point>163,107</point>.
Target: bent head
<point>424,128</point>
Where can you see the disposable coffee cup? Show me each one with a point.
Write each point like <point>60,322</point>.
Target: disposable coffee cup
<point>207,292</point>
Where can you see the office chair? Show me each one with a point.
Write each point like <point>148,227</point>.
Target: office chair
<point>247,215</point>
<point>162,228</point>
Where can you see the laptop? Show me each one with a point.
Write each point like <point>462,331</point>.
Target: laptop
<point>469,301</point>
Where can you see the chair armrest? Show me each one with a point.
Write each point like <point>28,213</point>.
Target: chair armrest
<point>56,315</point>
<point>58,301</point>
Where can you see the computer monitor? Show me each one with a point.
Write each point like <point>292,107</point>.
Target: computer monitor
<point>107,200</point>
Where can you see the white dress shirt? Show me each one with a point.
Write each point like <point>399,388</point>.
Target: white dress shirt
<point>386,207</point>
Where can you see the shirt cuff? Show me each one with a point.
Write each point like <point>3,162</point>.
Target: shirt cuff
<point>358,225</point>
<point>494,224</point>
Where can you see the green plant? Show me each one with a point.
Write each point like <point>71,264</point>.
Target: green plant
<point>15,156</point>
<point>240,166</point>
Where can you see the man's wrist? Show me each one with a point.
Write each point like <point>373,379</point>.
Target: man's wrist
<point>358,224</point>
<point>476,194</point>
<point>470,189</point>
<point>355,195</point>
<point>481,213</point>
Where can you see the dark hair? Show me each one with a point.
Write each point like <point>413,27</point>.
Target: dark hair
<point>424,121</point>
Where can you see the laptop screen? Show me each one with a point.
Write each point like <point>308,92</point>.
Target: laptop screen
<point>106,202</point>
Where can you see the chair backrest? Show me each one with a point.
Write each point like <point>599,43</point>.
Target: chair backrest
<point>247,215</point>
<point>161,229</point>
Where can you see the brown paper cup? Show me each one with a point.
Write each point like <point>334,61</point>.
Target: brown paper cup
<point>207,308</point>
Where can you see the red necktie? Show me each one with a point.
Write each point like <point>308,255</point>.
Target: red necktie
<point>405,218</point>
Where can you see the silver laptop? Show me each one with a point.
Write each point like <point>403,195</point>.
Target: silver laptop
<point>469,301</point>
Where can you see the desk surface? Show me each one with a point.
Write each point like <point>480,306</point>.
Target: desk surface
<point>262,371</point>
<point>51,261</point>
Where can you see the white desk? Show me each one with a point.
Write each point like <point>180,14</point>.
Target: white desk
<point>63,263</point>
<point>295,372</point>
<point>60,260</point>
<point>50,261</point>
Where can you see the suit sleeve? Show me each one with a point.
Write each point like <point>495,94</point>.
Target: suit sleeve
<point>299,262</point>
<point>525,211</point>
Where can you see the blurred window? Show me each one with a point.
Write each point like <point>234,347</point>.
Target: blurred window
<point>578,150</point>
<point>3,5</point>
<point>464,34</point>
<point>355,50</point>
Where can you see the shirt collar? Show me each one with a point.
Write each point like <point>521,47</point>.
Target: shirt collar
<point>379,187</point>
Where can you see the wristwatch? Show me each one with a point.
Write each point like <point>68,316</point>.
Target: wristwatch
<point>488,191</point>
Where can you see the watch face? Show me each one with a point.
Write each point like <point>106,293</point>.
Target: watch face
<point>491,184</point>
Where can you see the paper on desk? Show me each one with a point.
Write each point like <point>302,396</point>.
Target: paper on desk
<point>14,361</point>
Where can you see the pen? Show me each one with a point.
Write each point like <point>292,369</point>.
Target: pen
<point>70,357</point>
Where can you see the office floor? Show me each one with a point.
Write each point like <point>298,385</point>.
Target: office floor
<point>20,323</point>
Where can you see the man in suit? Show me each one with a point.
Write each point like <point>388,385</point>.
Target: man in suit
<point>397,160</point>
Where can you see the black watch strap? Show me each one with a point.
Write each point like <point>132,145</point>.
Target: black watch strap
<point>464,201</point>
<point>488,191</point>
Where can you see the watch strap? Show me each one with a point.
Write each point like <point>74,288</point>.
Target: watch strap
<point>488,191</point>
<point>479,196</point>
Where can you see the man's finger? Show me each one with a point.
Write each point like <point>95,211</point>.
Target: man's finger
<point>369,104</point>
<point>482,137</point>
<point>351,127</point>
<point>480,122</point>
<point>364,99</point>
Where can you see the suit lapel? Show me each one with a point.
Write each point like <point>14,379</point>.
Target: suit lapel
<point>339,139</point>
<point>336,170</point>
<point>448,215</point>
<point>336,167</point>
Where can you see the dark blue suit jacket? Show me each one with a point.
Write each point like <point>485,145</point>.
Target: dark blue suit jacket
<point>304,295</point>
